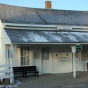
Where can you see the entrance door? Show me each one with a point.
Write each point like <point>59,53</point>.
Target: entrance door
<point>45,60</point>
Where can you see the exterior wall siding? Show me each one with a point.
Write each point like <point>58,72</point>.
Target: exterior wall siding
<point>36,60</point>
<point>62,64</point>
<point>78,61</point>
<point>84,60</point>
<point>4,39</point>
<point>1,60</point>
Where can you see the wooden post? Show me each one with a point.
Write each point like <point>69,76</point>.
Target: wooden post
<point>73,57</point>
<point>12,48</point>
<point>11,63</point>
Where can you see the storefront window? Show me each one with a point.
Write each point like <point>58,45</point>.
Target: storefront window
<point>25,56</point>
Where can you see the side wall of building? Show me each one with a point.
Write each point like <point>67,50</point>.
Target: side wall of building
<point>4,41</point>
<point>0,40</point>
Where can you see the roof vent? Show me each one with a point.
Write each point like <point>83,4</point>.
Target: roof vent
<point>48,5</point>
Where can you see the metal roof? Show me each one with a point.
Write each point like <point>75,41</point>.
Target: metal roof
<point>30,36</point>
<point>16,14</point>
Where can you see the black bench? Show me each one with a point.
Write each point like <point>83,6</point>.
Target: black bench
<point>30,69</point>
<point>25,69</point>
<point>18,70</point>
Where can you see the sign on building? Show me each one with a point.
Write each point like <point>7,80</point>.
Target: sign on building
<point>62,56</point>
<point>78,47</point>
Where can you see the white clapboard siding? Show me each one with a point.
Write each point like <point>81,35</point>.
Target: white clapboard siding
<point>78,62</point>
<point>0,42</point>
<point>83,58</point>
<point>84,61</point>
<point>38,65</point>
<point>37,61</point>
<point>60,65</point>
<point>4,40</point>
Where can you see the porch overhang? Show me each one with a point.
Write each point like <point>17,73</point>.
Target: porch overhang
<point>46,37</point>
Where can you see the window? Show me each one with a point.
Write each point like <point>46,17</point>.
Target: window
<point>45,53</point>
<point>25,56</point>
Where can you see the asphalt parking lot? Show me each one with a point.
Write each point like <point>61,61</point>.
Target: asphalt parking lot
<point>64,80</point>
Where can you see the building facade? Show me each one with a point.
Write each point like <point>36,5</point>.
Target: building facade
<point>44,38</point>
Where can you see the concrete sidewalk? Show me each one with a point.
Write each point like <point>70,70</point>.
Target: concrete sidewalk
<point>65,80</point>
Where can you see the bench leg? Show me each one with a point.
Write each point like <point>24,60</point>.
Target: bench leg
<point>24,75</point>
<point>36,74</point>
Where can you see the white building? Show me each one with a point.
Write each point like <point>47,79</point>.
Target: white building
<point>43,37</point>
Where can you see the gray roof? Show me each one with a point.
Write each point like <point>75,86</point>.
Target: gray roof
<point>29,36</point>
<point>16,14</point>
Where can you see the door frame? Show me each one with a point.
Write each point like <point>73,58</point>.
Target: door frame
<point>50,58</point>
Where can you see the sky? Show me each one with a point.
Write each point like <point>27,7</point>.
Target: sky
<point>56,4</point>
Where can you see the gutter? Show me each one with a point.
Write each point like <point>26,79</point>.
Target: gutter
<point>54,43</point>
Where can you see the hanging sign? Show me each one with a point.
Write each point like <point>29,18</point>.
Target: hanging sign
<point>78,47</point>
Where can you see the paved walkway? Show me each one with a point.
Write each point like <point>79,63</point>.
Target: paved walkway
<point>65,80</point>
